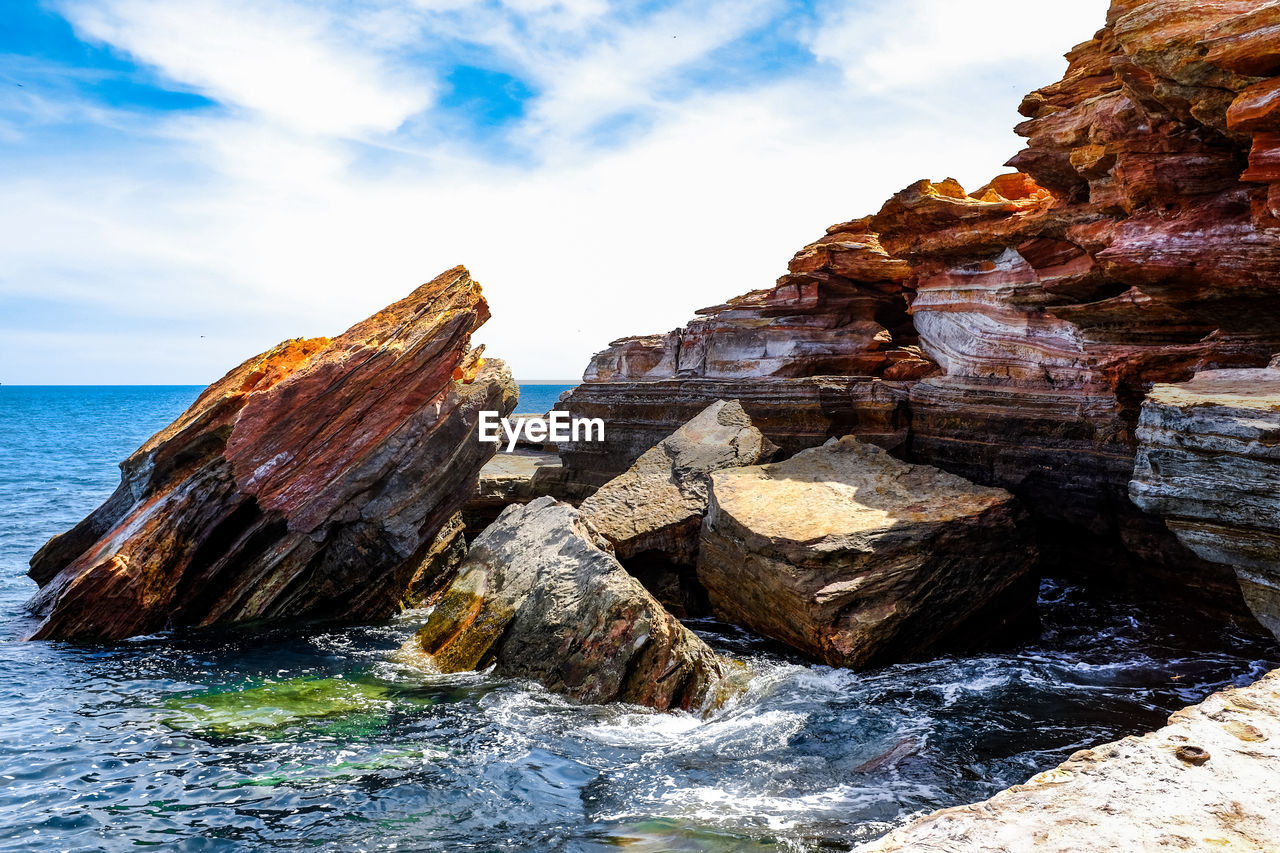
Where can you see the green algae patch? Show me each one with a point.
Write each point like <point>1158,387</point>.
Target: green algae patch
<point>347,708</point>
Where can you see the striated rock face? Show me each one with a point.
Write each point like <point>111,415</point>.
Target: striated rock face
<point>792,413</point>
<point>854,557</point>
<point>540,596</point>
<point>313,481</point>
<point>807,359</point>
<point>1209,464</point>
<point>657,504</point>
<point>1210,780</point>
<point>1138,244</point>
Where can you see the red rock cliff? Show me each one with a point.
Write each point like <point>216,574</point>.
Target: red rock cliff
<point>1138,243</point>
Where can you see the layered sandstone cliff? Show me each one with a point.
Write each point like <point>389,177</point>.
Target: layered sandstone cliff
<point>1209,465</point>
<point>320,479</point>
<point>1138,243</point>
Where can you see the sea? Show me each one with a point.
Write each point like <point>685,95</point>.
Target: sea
<point>316,739</point>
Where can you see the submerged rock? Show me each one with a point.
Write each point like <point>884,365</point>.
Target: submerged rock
<point>854,557</point>
<point>1210,780</point>
<point>1209,464</point>
<point>312,481</point>
<point>304,704</point>
<point>541,597</point>
<point>657,504</point>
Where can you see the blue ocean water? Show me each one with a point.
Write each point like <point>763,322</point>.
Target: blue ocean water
<point>538,399</point>
<point>318,739</point>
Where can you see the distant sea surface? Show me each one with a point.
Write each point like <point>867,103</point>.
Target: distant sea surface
<point>303,738</point>
<point>538,398</point>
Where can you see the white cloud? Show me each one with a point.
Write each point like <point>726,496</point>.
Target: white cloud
<point>917,43</point>
<point>292,63</point>
<point>255,231</point>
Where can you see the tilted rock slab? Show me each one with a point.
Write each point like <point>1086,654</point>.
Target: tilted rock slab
<point>313,481</point>
<point>1209,464</point>
<point>657,504</point>
<point>541,597</point>
<point>1210,780</point>
<point>854,557</point>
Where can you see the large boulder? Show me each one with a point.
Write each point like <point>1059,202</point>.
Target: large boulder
<point>319,480</point>
<point>657,504</point>
<point>1209,463</point>
<point>1209,780</point>
<point>540,596</point>
<point>854,557</point>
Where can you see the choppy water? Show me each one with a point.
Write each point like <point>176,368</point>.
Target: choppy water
<point>314,739</point>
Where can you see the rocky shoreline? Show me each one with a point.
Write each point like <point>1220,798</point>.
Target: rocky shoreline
<point>1206,781</point>
<point>870,462</point>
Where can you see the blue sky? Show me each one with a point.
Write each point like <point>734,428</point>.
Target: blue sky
<point>188,183</point>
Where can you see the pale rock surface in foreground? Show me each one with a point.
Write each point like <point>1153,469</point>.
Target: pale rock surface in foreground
<point>1154,792</point>
<point>541,597</point>
<point>854,557</point>
<point>658,503</point>
<point>1209,463</point>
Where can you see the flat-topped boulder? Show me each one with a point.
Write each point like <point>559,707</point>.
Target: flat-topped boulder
<point>540,596</point>
<point>1208,463</point>
<point>1209,780</point>
<point>657,504</point>
<point>855,558</point>
<point>314,481</point>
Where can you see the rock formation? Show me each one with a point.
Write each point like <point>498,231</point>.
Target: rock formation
<point>517,478</point>
<point>541,597</point>
<point>1209,464</point>
<point>657,504</point>
<point>1210,780</point>
<point>1138,243</point>
<point>854,557</point>
<point>311,482</point>
<point>804,359</point>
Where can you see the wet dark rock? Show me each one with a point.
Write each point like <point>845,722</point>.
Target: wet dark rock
<point>540,596</point>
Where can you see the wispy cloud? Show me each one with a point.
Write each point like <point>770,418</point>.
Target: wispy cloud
<point>288,62</point>
<point>603,169</point>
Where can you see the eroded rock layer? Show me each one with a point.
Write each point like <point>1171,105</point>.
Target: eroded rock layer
<point>1209,780</point>
<point>1024,321</point>
<point>1209,464</point>
<point>792,413</point>
<point>320,479</point>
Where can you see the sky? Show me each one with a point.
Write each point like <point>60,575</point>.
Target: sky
<point>185,184</point>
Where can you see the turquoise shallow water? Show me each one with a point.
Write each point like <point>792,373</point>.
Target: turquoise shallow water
<point>314,739</point>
